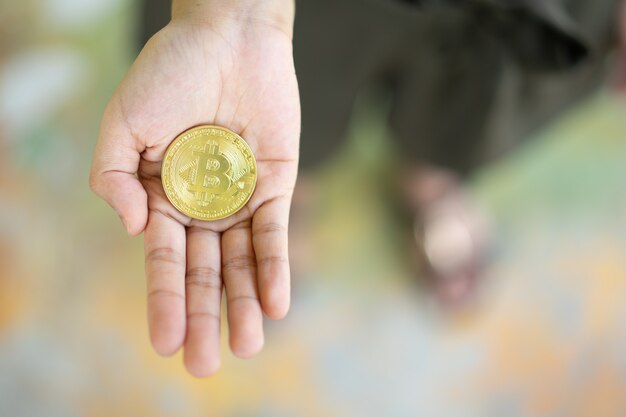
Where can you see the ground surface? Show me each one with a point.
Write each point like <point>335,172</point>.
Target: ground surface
<point>546,337</point>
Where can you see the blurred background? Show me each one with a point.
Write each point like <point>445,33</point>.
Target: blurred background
<point>546,335</point>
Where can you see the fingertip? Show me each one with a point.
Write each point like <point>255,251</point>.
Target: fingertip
<point>134,232</point>
<point>138,225</point>
<point>245,319</point>
<point>276,305</point>
<point>125,194</point>
<point>136,220</point>
<point>164,347</point>
<point>275,296</point>
<point>202,368</point>
<point>202,345</point>
<point>248,348</point>
<point>166,340</point>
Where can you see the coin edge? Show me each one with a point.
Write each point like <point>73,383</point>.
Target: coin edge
<point>170,149</point>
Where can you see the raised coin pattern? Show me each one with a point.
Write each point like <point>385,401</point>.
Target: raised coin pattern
<point>209,173</point>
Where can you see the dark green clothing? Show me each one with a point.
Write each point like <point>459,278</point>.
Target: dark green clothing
<point>468,78</point>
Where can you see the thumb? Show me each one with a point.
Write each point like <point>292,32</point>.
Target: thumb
<point>115,164</point>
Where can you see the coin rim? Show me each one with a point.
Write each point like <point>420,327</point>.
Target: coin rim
<point>171,146</point>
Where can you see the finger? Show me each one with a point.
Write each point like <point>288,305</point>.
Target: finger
<point>204,295</point>
<point>269,233</point>
<point>165,270</point>
<point>115,163</point>
<point>245,319</point>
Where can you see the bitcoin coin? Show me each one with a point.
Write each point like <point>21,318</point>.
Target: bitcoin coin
<point>208,173</point>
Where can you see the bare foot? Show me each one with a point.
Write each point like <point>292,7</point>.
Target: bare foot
<point>451,232</point>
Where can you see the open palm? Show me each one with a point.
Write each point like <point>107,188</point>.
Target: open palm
<point>188,75</point>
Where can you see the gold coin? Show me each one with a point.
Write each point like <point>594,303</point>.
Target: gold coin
<point>208,173</point>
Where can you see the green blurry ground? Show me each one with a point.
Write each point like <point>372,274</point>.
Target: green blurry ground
<point>546,337</point>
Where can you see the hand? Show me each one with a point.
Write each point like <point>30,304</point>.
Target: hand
<point>231,71</point>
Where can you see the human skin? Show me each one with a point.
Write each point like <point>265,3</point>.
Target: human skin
<point>228,63</point>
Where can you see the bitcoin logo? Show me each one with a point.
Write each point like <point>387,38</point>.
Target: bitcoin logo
<point>211,173</point>
<point>208,173</point>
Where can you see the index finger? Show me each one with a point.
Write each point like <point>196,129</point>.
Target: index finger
<point>165,271</point>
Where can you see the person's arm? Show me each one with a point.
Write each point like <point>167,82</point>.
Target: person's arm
<point>229,63</point>
<point>276,13</point>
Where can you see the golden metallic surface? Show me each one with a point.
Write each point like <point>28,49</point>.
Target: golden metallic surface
<point>209,173</point>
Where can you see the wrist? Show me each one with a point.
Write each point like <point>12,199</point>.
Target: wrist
<point>274,13</point>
